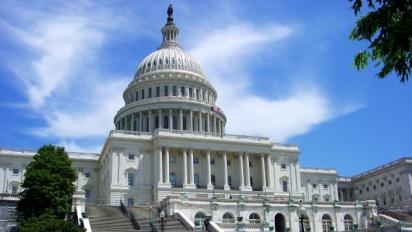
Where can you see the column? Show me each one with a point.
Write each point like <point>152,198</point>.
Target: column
<point>192,174</point>
<point>297,174</point>
<point>191,120</point>
<point>159,155</point>
<point>226,185</point>
<point>194,93</point>
<point>209,171</point>
<point>269,183</point>
<point>214,124</point>
<point>241,177</point>
<point>179,92</point>
<point>132,129</point>
<point>180,119</point>
<point>150,121</point>
<point>263,166</point>
<point>208,123</point>
<point>223,127</point>
<point>200,122</point>
<point>275,174</point>
<point>126,122</point>
<point>184,167</point>
<point>167,181</point>
<point>160,119</point>
<point>247,170</point>
<point>141,121</point>
<point>170,119</point>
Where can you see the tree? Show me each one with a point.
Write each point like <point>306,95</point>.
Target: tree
<point>47,222</point>
<point>388,29</point>
<point>48,184</point>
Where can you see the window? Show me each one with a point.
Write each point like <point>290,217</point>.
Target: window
<point>130,179</point>
<point>367,189</point>
<point>228,218</point>
<point>250,164</point>
<point>314,186</point>
<point>325,186</point>
<point>197,93</point>
<point>360,191</point>
<point>172,159</point>
<point>397,179</point>
<point>390,182</point>
<point>212,161</point>
<point>326,223</point>
<point>283,166</point>
<point>251,181</point>
<point>137,95</point>
<point>348,222</point>
<point>172,179</point>
<point>200,217</point>
<point>315,197</point>
<point>150,92</point>
<point>16,171</point>
<point>382,184</point>
<point>182,91</point>
<point>87,193</point>
<point>195,160</point>
<point>157,91</point>
<point>142,94</point>
<point>174,91</point>
<point>228,162</point>
<point>326,198</point>
<point>254,218</point>
<point>400,197</point>
<point>229,181</point>
<point>14,189</point>
<point>284,186</point>
<point>131,157</point>
<point>374,187</point>
<point>166,91</point>
<point>213,177</point>
<point>190,92</point>
<point>87,174</point>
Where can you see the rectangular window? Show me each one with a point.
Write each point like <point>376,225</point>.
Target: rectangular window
<point>157,91</point>
<point>166,91</point>
<point>197,94</point>
<point>130,179</point>
<point>228,162</point>
<point>87,193</point>
<point>212,161</point>
<point>16,171</point>
<point>182,91</point>
<point>142,94</point>
<point>131,157</point>
<point>195,160</point>
<point>137,95</point>
<point>190,92</point>
<point>14,189</point>
<point>150,92</point>
<point>314,186</point>
<point>284,186</point>
<point>87,174</point>
<point>325,186</point>
<point>283,166</point>
<point>250,164</point>
<point>174,91</point>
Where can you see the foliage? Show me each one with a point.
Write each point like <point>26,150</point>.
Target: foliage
<point>47,222</point>
<point>388,29</point>
<point>48,184</point>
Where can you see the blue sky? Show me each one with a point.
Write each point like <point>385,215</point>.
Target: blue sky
<point>282,69</point>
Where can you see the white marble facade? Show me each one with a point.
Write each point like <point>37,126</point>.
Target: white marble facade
<point>170,147</point>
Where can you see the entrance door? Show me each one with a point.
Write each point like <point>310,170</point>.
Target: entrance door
<point>279,223</point>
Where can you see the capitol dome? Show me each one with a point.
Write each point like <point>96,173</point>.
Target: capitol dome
<point>170,91</point>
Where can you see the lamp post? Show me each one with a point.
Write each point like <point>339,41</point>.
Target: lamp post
<point>301,213</point>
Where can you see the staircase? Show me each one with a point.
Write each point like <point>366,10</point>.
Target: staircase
<point>144,217</point>
<point>108,219</point>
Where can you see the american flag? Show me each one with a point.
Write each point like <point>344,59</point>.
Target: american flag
<point>215,109</point>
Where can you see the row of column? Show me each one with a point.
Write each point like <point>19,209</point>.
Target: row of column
<point>188,120</point>
<point>189,182</point>
<point>200,94</point>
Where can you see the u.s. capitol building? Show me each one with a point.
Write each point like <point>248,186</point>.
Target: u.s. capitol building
<point>170,148</point>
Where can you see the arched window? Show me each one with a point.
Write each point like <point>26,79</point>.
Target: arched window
<point>348,221</point>
<point>228,218</point>
<point>326,223</point>
<point>172,178</point>
<point>306,223</point>
<point>200,216</point>
<point>326,197</point>
<point>315,197</point>
<point>254,218</point>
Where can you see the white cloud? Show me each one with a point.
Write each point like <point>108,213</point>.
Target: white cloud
<point>73,146</point>
<point>226,55</point>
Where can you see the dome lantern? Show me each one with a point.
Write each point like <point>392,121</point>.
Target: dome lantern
<point>169,31</point>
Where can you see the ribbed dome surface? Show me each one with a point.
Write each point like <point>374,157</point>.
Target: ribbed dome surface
<point>170,57</point>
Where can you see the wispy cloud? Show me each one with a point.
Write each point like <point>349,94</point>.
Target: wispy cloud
<point>227,54</point>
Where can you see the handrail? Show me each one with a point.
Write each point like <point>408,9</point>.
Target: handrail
<point>152,227</point>
<point>134,222</point>
<point>123,208</point>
